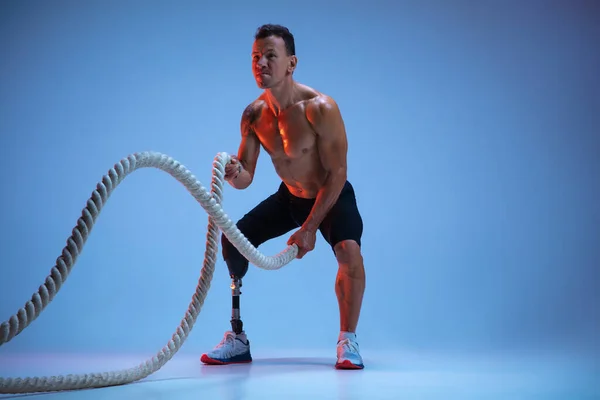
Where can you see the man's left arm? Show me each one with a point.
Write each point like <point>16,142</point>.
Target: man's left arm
<point>332,145</point>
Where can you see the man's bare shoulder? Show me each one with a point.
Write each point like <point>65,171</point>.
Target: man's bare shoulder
<point>316,103</point>
<point>253,111</point>
<point>321,103</point>
<point>322,108</point>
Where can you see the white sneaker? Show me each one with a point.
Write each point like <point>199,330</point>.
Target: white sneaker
<point>348,355</point>
<point>232,349</point>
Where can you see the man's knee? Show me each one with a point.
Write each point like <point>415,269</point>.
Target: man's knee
<point>348,254</point>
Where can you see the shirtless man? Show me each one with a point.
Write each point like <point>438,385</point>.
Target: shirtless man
<point>303,132</point>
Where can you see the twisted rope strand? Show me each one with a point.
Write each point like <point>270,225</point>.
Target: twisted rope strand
<point>217,219</point>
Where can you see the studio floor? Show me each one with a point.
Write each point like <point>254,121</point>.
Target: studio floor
<point>309,374</point>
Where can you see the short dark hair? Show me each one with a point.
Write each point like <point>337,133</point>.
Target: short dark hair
<point>267,30</point>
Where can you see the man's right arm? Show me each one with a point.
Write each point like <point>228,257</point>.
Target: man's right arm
<point>248,150</point>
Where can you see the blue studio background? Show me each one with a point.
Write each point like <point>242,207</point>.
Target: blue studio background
<point>473,147</point>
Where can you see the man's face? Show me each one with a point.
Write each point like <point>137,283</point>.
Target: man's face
<point>270,62</point>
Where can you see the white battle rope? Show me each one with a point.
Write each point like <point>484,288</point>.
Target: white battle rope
<point>58,274</point>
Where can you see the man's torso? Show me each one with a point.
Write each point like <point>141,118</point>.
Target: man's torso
<point>291,142</point>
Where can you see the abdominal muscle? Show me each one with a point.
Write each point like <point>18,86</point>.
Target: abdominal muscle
<point>303,176</point>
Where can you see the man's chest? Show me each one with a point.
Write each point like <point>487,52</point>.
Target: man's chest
<point>289,134</point>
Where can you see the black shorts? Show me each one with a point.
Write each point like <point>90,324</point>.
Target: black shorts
<point>282,211</point>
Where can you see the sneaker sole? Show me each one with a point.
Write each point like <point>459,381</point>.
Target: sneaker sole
<point>211,361</point>
<point>346,364</point>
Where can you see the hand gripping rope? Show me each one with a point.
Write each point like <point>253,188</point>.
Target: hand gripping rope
<point>59,273</point>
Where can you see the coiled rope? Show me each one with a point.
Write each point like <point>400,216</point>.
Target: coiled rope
<point>59,273</point>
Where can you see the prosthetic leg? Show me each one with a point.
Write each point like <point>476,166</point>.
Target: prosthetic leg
<point>238,267</point>
<point>235,346</point>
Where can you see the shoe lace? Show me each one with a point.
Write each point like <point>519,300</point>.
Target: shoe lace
<point>349,345</point>
<point>228,338</point>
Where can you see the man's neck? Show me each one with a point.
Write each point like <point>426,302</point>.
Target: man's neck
<point>281,97</point>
